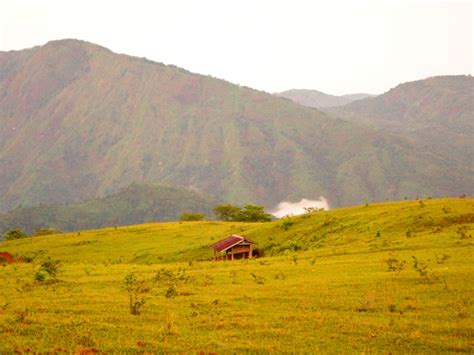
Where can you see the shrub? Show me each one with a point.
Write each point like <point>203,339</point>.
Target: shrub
<point>15,234</point>
<point>136,289</point>
<point>188,217</point>
<point>260,280</point>
<point>46,231</point>
<point>41,275</point>
<point>395,264</point>
<point>51,267</point>
<point>286,224</point>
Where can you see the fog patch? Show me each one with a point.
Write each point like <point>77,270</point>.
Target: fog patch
<point>296,208</point>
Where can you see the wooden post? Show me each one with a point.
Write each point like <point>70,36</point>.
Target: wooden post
<point>250,252</point>
<point>232,254</point>
<point>215,258</point>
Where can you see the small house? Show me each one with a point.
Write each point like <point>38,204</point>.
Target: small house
<point>233,247</point>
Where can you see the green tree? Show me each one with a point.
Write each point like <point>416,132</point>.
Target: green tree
<point>15,234</point>
<point>227,212</point>
<point>253,213</point>
<point>186,217</point>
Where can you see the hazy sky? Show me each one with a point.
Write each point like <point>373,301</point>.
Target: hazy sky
<point>336,46</point>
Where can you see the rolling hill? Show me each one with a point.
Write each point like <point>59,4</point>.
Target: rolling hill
<point>78,121</point>
<point>132,205</point>
<point>437,113</point>
<point>393,277</point>
<point>318,99</point>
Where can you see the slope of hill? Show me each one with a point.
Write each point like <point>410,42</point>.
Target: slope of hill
<point>437,113</point>
<point>132,205</point>
<point>78,121</point>
<point>318,99</point>
<point>392,277</point>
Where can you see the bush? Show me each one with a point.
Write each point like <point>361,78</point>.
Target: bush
<point>46,231</point>
<point>136,292</point>
<point>15,234</point>
<point>187,217</point>
<point>41,275</point>
<point>286,224</point>
<point>51,267</point>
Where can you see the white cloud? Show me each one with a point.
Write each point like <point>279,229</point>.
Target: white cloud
<point>296,208</point>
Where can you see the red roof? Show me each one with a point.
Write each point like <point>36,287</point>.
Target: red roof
<point>229,242</point>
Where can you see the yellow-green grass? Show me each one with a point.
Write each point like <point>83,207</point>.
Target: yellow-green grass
<point>333,294</point>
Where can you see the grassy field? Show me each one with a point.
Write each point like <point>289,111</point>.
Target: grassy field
<point>325,285</point>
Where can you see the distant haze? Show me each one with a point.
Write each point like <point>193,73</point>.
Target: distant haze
<point>335,46</point>
<point>296,208</point>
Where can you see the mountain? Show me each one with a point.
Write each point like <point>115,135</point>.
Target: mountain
<point>78,121</point>
<point>437,113</point>
<point>318,99</point>
<point>132,205</point>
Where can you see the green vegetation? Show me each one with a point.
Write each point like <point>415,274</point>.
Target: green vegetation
<point>132,205</point>
<point>436,112</point>
<point>15,234</point>
<point>187,217</point>
<point>109,120</point>
<point>328,285</point>
<point>249,213</point>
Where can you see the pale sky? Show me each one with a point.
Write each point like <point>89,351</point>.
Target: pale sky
<point>335,46</point>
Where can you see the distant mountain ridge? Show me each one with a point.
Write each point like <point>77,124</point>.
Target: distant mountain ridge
<point>78,121</point>
<point>437,113</point>
<point>318,99</point>
<point>133,205</point>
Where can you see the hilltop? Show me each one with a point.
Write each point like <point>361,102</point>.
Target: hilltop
<point>437,113</point>
<point>132,205</point>
<point>354,229</point>
<point>392,277</point>
<point>78,121</point>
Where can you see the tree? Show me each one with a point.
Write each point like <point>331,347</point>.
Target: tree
<point>227,212</point>
<point>15,234</point>
<point>186,217</point>
<point>253,213</point>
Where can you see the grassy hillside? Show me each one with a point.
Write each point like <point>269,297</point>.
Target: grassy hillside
<point>324,286</point>
<point>436,112</point>
<point>78,121</point>
<point>132,205</point>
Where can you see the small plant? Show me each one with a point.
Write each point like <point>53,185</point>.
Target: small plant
<point>136,289</point>
<point>395,264</point>
<point>295,259</point>
<point>442,258</point>
<point>49,269</point>
<point>409,233</point>
<point>421,268</point>
<point>378,234</point>
<point>422,204</point>
<point>41,276</point>
<point>260,280</point>
<point>464,232</point>
<point>446,209</point>
<point>171,292</point>
<point>280,276</point>
<point>233,277</point>
<point>286,224</point>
